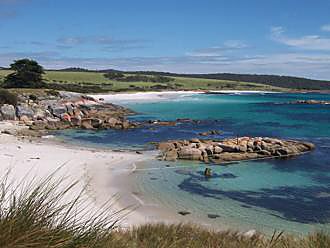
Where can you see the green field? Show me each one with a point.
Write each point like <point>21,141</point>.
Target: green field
<point>97,79</point>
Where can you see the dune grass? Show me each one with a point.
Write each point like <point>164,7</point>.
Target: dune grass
<point>38,215</point>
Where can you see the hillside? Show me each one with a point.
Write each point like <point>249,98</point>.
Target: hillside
<point>271,80</point>
<point>95,81</point>
<point>136,81</point>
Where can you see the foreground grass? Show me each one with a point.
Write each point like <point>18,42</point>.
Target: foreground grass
<point>37,215</point>
<point>97,79</point>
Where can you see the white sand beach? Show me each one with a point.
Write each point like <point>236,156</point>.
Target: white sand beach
<point>144,96</point>
<point>104,173</point>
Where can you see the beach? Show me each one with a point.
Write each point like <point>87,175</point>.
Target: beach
<point>102,174</point>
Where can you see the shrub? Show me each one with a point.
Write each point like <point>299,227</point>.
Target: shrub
<point>76,88</point>
<point>114,75</point>
<point>27,74</point>
<point>7,97</point>
<point>33,97</point>
<point>40,215</point>
<point>53,93</point>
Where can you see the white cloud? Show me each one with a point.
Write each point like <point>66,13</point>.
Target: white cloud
<point>326,28</point>
<point>294,64</point>
<point>308,42</point>
<point>229,45</point>
<point>235,44</point>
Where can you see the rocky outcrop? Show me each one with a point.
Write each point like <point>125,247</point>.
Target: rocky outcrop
<point>237,149</point>
<point>310,102</point>
<point>66,110</point>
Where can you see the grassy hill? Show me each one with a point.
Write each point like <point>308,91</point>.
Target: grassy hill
<point>96,82</point>
<point>78,79</point>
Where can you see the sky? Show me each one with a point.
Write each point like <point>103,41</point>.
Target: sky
<point>284,37</point>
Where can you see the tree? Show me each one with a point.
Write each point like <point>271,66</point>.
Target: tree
<point>27,74</point>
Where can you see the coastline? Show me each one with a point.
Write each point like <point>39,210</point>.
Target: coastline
<point>103,173</point>
<point>32,160</point>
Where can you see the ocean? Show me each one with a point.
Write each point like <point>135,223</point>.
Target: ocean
<point>292,194</point>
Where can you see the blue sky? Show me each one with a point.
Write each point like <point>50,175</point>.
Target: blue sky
<point>193,36</point>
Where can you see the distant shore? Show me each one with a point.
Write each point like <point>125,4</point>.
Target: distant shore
<point>167,95</point>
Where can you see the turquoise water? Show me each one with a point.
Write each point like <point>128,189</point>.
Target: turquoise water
<point>291,195</point>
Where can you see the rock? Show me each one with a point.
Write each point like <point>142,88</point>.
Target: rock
<point>283,151</point>
<point>249,234</point>
<point>96,123</point>
<point>265,152</point>
<point>70,109</point>
<point>207,172</point>
<point>38,125</point>
<point>195,141</point>
<point>210,150</point>
<point>24,110</point>
<point>8,112</point>
<point>189,153</point>
<point>213,216</point>
<point>40,114</point>
<point>310,102</point>
<point>184,120</point>
<point>229,148</point>
<point>65,117</point>
<point>165,123</point>
<point>113,122</point>
<point>9,132</point>
<point>125,125</point>
<point>310,146</point>
<point>25,119</point>
<point>76,121</point>
<point>211,132</point>
<point>86,124</point>
<point>58,110</point>
<point>171,155</point>
<point>242,148</point>
<point>184,213</point>
<point>218,149</point>
<point>165,146</point>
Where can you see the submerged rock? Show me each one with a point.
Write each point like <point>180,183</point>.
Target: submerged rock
<point>310,102</point>
<point>184,213</point>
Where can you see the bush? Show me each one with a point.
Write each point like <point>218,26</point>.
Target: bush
<point>114,75</point>
<point>27,74</point>
<point>7,98</point>
<point>40,215</point>
<point>53,93</point>
<point>118,76</point>
<point>75,88</point>
<point>33,97</point>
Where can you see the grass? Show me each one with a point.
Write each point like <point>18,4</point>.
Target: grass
<point>39,215</point>
<point>100,83</point>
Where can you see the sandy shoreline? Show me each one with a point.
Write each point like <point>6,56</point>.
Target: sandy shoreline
<point>103,172</point>
<point>166,95</point>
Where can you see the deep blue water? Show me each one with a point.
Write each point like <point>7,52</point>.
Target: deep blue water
<point>294,194</point>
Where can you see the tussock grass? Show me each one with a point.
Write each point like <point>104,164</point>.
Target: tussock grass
<point>39,215</point>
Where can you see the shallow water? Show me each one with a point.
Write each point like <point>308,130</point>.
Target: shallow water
<point>291,195</point>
